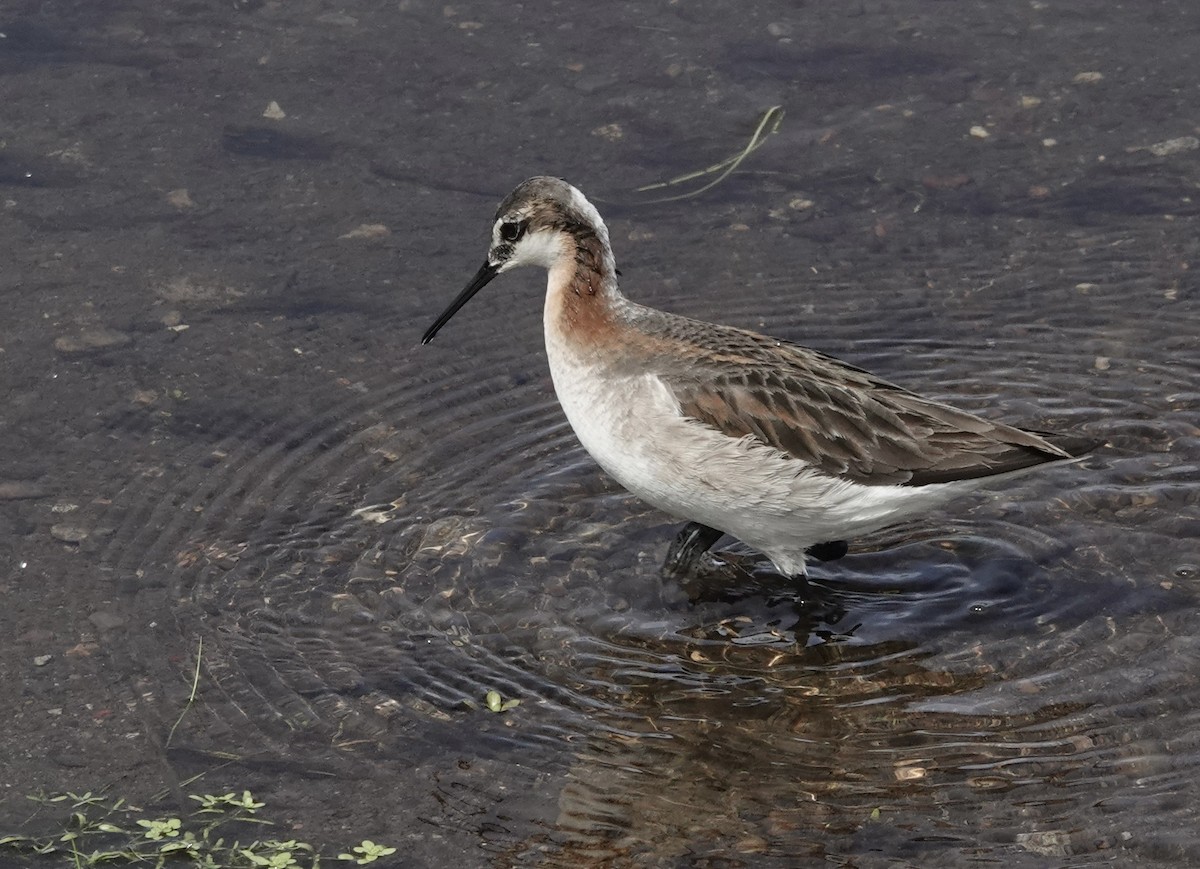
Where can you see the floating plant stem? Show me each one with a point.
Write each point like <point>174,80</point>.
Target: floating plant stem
<point>768,124</point>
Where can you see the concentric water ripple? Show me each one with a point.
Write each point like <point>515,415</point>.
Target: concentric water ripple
<point>362,575</point>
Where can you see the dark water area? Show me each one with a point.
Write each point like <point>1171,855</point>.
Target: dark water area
<point>225,227</point>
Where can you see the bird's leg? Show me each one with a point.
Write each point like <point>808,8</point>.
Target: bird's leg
<point>695,539</point>
<point>689,546</point>
<point>831,551</point>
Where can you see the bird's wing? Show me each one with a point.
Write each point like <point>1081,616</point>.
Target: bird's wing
<point>840,419</point>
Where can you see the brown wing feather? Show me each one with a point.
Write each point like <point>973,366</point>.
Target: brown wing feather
<point>836,417</point>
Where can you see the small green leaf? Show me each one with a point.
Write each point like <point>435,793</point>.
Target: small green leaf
<point>97,857</point>
<point>177,845</point>
<point>247,802</point>
<point>494,701</point>
<point>370,853</point>
<point>156,830</point>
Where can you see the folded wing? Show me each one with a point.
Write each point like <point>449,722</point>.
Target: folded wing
<point>842,420</point>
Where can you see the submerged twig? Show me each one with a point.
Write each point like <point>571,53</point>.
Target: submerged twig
<point>191,697</point>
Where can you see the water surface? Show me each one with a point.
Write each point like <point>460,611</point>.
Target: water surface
<point>362,537</point>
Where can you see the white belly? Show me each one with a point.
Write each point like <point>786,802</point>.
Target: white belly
<point>633,428</point>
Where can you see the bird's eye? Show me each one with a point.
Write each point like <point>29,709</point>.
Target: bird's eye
<point>511,231</point>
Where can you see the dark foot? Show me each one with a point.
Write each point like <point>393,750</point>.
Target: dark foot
<point>830,551</point>
<point>689,547</point>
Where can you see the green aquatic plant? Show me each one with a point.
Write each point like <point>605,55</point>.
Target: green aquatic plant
<point>496,703</point>
<point>368,852</point>
<point>103,832</point>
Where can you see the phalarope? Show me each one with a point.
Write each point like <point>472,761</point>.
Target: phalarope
<point>782,447</point>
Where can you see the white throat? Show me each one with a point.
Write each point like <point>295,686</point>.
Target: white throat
<point>545,249</point>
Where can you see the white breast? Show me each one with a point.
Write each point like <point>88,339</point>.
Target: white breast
<point>632,426</point>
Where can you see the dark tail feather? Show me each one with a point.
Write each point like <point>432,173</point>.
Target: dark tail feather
<point>1073,445</point>
<point>1012,457</point>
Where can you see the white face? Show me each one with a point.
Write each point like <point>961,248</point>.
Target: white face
<point>535,248</point>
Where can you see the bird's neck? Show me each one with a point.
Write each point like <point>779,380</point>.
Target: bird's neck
<point>581,294</point>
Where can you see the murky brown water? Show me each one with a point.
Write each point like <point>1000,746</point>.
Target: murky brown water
<point>367,536</point>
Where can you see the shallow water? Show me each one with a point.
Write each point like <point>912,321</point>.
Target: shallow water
<point>361,537</point>
<point>1002,678</point>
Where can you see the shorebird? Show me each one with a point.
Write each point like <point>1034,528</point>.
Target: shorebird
<point>789,450</point>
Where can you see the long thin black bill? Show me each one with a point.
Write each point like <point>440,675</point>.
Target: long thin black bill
<point>486,272</point>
